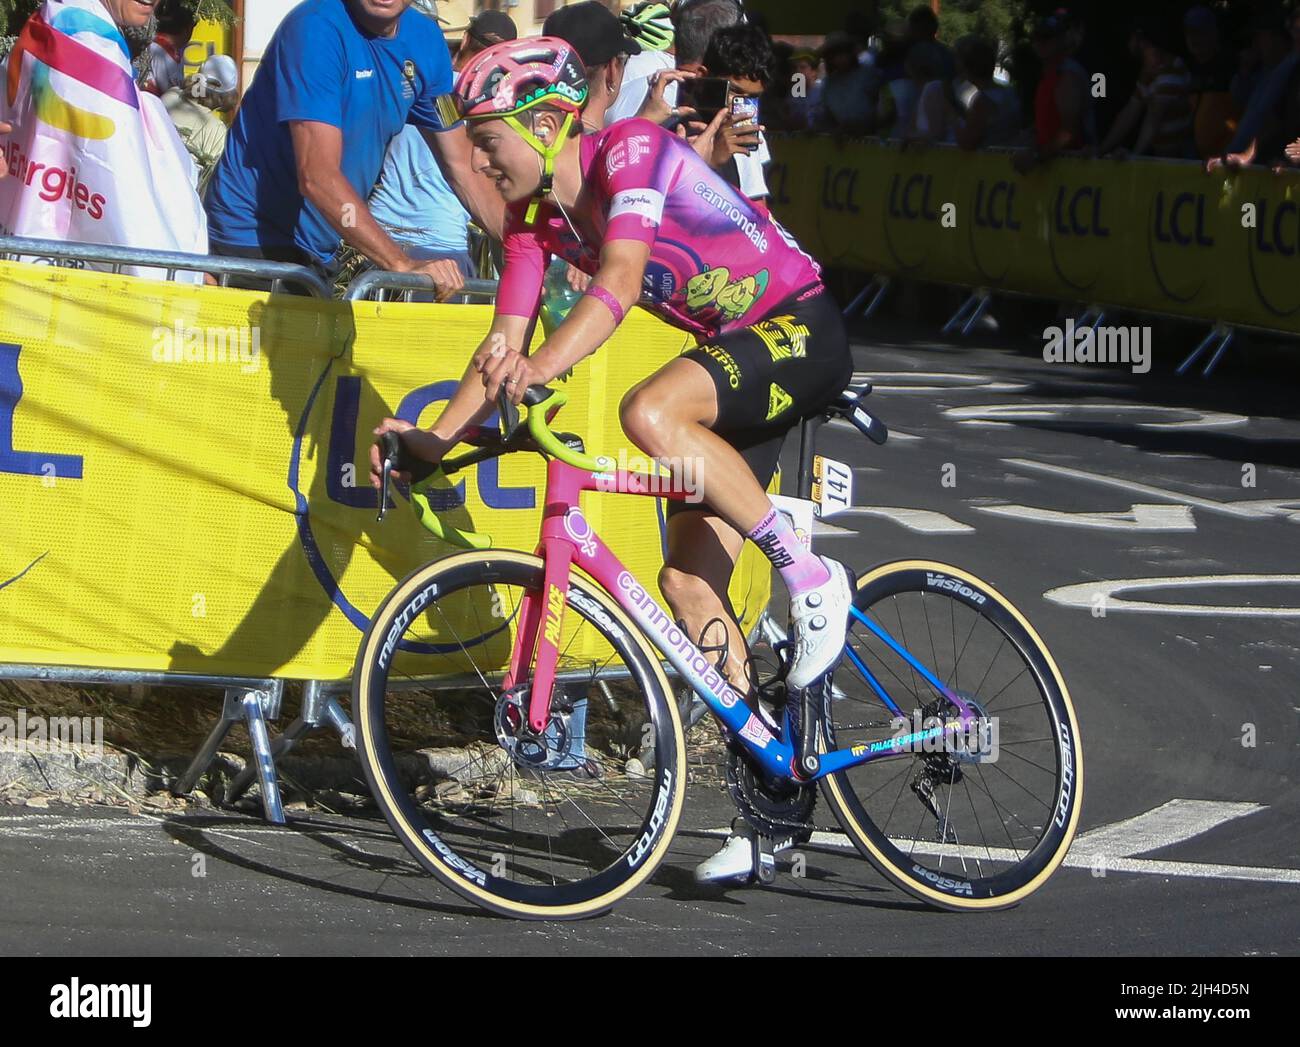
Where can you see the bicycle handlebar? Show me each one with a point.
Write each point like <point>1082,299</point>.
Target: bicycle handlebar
<point>542,404</point>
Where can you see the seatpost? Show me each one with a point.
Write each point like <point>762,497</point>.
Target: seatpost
<point>808,451</point>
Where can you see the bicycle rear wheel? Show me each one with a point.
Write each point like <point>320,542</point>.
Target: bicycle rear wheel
<point>958,829</point>
<point>539,827</point>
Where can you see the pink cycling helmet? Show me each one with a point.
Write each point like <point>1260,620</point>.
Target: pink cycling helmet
<point>516,75</point>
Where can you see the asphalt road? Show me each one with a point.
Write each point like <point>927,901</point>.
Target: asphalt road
<point>1053,482</point>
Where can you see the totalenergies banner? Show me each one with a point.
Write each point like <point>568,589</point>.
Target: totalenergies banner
<point>184,471</point>
<point>1136,234</point>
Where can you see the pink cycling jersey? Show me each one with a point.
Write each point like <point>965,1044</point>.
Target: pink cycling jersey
<point>716,261</point>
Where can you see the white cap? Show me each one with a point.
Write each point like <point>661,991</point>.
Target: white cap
<point>221,74</point>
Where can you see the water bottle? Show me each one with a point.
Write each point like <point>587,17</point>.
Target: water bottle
<point>557,296</point>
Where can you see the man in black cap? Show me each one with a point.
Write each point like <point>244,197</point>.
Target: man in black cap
<point>600,39</point>
<point>485,29</point>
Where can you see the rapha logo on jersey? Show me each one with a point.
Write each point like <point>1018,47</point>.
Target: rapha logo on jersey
<point>627,153</point>
<point>648,203</point>
<point>939,581</point>
<point>577,528</point>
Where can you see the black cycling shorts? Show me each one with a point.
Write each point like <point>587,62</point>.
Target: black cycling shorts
<point>772,375</point>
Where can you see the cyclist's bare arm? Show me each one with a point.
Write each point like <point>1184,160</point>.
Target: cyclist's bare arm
<point>586,328</point>
<point>468,406</point>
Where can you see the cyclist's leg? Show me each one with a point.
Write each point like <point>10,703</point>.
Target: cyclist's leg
<point>670,415</point>
<point>702,551</point>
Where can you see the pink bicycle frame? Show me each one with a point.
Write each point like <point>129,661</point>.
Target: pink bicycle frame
<point>567,538</point>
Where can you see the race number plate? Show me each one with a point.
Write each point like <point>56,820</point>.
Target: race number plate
<point>832,488</point>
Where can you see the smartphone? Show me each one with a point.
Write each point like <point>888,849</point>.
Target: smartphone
<point>705,94</point>
<point>744,109</point>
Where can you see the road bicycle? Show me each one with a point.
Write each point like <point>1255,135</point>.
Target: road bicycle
<point>501,695</point>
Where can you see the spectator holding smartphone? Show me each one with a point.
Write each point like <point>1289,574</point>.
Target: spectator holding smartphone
<point>742,55</point>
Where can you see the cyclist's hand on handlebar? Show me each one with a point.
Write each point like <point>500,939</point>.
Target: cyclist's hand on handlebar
<point>418,442</point>
<point>512,372</point>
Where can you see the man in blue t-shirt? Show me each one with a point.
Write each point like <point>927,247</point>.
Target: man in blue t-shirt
<point>339,80</point>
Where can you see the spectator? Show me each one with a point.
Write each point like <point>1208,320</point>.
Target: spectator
<point>742,54</point>
<point>1212,68</point>
<point>1284,127</point>
<point>775,103</point>
<point>861,27</point>
<point>650,24</point>
<point>193,107</point>
<point>806,98</point>
<point>604,47</point>
<point>339,80</point>
<point>934,117</point>
<point>1160,108</point>
<point>125,183</point>
<point>1061,100</point>
<point>694,24</point>
<point>412,200</point>
<point>923,28</point>
<point>992,117</point>
<point>846,103</point>
<point>166,57</point>
<point>484,29</point>
<point>1274,66</point>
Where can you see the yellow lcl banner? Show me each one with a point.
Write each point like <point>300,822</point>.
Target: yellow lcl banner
<point>1148,235</point>
<point>184,471</point>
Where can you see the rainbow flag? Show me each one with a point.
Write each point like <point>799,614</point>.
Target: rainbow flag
<point>91,158</point>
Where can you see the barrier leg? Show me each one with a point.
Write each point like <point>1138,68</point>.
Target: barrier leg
<point>318,709</point>
<point>980,309</point>
<point>231,713</point>
<point>261,739</point>
<point>875,290</point>
<point>962,312</point>
<point>1218,353</point>
<point>253,707</point>
<point>1195,354</point>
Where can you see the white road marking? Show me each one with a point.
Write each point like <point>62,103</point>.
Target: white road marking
<point>1166,825</point>
<point>1084,595</point>
<point>1110,846</point>
<point>1136,518</point>
<point>1009,414</point>
<point>1258,509</point>
<point>924,521</point>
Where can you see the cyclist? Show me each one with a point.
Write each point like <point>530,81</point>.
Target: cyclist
<point>637,209</point>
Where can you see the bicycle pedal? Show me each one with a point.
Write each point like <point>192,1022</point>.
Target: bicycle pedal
<point>764,871</point>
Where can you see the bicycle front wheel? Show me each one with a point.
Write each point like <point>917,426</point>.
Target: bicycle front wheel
<point>547,826</point>
<point>960,827</point>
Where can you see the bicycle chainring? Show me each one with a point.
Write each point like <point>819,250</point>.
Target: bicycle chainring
<point>775,808</point>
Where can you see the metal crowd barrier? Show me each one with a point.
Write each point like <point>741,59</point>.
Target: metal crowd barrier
<point>252,700</point>
<point>375,284</point>
<point>281,275</point>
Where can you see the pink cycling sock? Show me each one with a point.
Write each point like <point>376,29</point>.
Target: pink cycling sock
<point>800,568</point>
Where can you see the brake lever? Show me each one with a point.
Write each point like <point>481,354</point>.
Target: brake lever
<point>390,450</point>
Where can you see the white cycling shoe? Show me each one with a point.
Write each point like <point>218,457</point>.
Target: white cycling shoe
<point>733,861</point>
<point>820,620</point>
